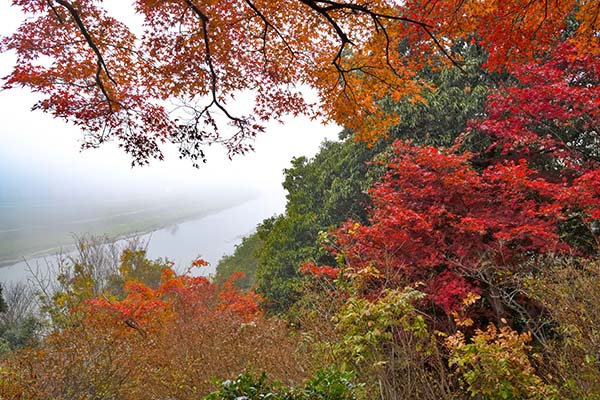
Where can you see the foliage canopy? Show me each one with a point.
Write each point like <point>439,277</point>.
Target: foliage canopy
<point>113,82</point>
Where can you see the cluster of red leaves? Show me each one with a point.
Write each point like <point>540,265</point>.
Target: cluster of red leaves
<point>511,31</point>
<point>585,192</point>
<point>106,97</point>
<point>319,271</point>
<point>242,304</point>
<point>435,218</point>
<point>551,112</point>
<point>200,263</point>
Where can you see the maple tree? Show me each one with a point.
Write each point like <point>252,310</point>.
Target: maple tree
<point>547,113</point>
<point>332,186</point>
<point>114,83</point>
<point>437,220</point>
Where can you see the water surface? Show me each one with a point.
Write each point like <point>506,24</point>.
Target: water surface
<point>209,237</point>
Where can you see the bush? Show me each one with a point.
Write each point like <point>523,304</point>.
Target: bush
<point>329,384</point>
<point>248,387</point>
<point>569,290</point>
<point>495,365</point>
<point>388,342</point>
<point>167,342</point>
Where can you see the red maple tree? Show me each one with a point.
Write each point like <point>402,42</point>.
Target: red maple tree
<point>438,221</point>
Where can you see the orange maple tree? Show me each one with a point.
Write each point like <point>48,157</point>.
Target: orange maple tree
<point>94,71</point>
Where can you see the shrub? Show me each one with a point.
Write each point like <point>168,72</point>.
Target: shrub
<point>329,384</point>
<point>388,342</point>
<point>495,365</point>
<point>167,342</point>
<point>569,290</point>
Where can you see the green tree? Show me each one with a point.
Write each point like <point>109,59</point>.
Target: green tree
<point>243,260</point>
<point>134,266</point>
<point>19,325</point>
<point>2,302</point>
<point>322,192</point>
<point>452,98</point>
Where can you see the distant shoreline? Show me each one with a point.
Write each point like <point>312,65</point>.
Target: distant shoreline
<point>68,247</point>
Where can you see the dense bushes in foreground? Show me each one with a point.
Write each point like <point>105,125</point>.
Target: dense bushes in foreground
<point>473,270</point>
<point>179,338</point>
<point>163,342</point>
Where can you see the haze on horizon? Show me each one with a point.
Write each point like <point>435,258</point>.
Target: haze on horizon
<point>41,162</point>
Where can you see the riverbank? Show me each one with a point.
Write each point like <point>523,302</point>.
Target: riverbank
<point>42,233</point>
<point>210,237</point>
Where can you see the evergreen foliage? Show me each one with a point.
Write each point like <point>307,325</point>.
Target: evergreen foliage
<point>243,260</point>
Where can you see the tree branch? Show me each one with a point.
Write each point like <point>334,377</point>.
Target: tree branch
<point>90,41</point>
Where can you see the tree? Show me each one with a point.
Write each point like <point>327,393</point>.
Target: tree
<point>243,260</point>
<point>94,71</point>
<point>98,267</point>
<point>439,222</point>
<point>333,186</point>
<point>19,324</point>
<point>547,113</point>
<point>322,192</point>
<point>134,266</point>
<point>2,302</point>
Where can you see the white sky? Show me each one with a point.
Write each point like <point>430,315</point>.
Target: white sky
<point>36,148</point>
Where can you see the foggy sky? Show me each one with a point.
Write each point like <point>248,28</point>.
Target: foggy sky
<point>40,157</point>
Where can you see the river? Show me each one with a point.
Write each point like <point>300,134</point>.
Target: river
<point>209,237</point>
